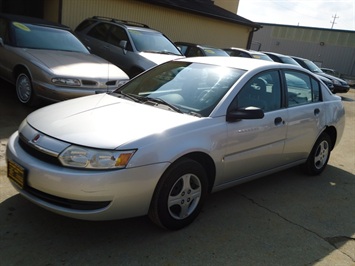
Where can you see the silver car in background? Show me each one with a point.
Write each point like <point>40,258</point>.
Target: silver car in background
<point>46,61</point>
<point>166,139</point>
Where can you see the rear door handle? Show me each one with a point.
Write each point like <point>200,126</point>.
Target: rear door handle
<point>316,111</point>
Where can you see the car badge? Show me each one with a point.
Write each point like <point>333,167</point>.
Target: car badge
<point>36,138</point>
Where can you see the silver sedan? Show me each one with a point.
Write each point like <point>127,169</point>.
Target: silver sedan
<point>46,61</point>
<point>166,139</point>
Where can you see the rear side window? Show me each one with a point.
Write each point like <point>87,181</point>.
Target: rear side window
<point>194,51</point>
<point>100,31</point>
<point>117,35</point>
<point>301,88</point>
<point>84,25</point>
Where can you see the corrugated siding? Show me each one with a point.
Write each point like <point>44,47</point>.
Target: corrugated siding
<point>177,25</point>
<point>328,48</point>
<point>333,37</point>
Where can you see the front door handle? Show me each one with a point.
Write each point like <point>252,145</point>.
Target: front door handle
<point>278,121</point>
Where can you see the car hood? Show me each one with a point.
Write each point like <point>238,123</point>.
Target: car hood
<point>158,58</point>
<point>75,64</point>
<point>104,121</point>
<point>343,82</point>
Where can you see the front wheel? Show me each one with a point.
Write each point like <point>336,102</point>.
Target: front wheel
<point>319,156</point>
<point>179,195</point>
<point>24,89</point>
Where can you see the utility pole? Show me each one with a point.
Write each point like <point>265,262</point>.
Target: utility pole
<point>334,18</point>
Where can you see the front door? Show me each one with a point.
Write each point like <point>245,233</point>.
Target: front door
<point>256,146</point>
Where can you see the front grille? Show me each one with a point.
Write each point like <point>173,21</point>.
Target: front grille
<point>37,154</point>
<point>111,82</point>
<point>89,83</point>
<point>67,203</point>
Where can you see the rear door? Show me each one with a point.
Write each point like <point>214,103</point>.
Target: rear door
<point>104,39</point>
<point>305,114</point>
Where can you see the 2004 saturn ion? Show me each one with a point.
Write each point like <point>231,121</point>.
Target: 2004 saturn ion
<point>162,142</point>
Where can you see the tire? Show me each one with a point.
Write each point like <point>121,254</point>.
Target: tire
<point>24,89</point>
<point>179,195</point>
<point>319,156</point>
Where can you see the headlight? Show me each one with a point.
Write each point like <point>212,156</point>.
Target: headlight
<point>66,82</point>
<point>336,82</point>
<point>81,157</point>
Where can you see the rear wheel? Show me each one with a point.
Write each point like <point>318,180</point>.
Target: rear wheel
<point>179,195</point>
<point>319,156</point>
<point>24,89</point>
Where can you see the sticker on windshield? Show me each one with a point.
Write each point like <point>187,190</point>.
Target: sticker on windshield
<point>135,32</point>
<point>21,26</point>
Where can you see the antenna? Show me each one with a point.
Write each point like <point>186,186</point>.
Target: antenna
<point>334,18</point>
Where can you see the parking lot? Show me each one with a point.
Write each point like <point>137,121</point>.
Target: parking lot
<point>283,219</point>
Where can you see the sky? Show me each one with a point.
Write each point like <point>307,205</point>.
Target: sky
<point>336,14</point>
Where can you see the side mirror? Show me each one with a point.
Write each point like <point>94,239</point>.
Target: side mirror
<point>245,113</point>
<point>123,45</point>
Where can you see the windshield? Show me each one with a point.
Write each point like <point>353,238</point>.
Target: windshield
<point>312,66</point>
<point>40,37</point>
<point>214,52</point>
<point>262,57</point>
<point>155,42</point>
<point>289,60</point>
<point>192,88</point>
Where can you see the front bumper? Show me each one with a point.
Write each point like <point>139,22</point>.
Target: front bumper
<point>85,194</point>
<point>341,89</point>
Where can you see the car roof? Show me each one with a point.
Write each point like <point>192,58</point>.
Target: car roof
<point>236,49</point>
<point>234,62</point>
<point>131,25</point>
<point>275,54</point>
<point>120,21</point>
<point>300,58</point>
<point>197,45</point>
<point>32,20</point>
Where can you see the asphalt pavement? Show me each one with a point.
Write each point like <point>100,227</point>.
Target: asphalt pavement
<point>282,219</point>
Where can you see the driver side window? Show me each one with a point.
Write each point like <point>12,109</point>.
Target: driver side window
<point>262,91</point>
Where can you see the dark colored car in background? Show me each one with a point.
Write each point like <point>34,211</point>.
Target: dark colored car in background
<point>192,49</point>
<point>285,59</point>
<point>340,85</point>
<point>281,58</point>
<point>132,46</point>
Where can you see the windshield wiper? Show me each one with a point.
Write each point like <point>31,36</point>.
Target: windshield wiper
<point>160,52</point>
<point>132,97</point>
<point>140,99</point>
<point>161,101</point>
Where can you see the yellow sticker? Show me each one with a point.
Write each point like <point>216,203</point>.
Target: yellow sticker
<point>21,26</point>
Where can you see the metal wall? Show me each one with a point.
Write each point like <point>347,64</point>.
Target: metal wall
<point>177,25</point>
<point>327,48</point>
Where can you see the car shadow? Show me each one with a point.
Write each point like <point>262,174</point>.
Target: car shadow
<point>12,111</point>
<point>283,219</point>
<point>347,99</point>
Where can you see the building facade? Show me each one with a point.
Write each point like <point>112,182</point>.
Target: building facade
<point>328,48</point>
<point>198,21</point>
